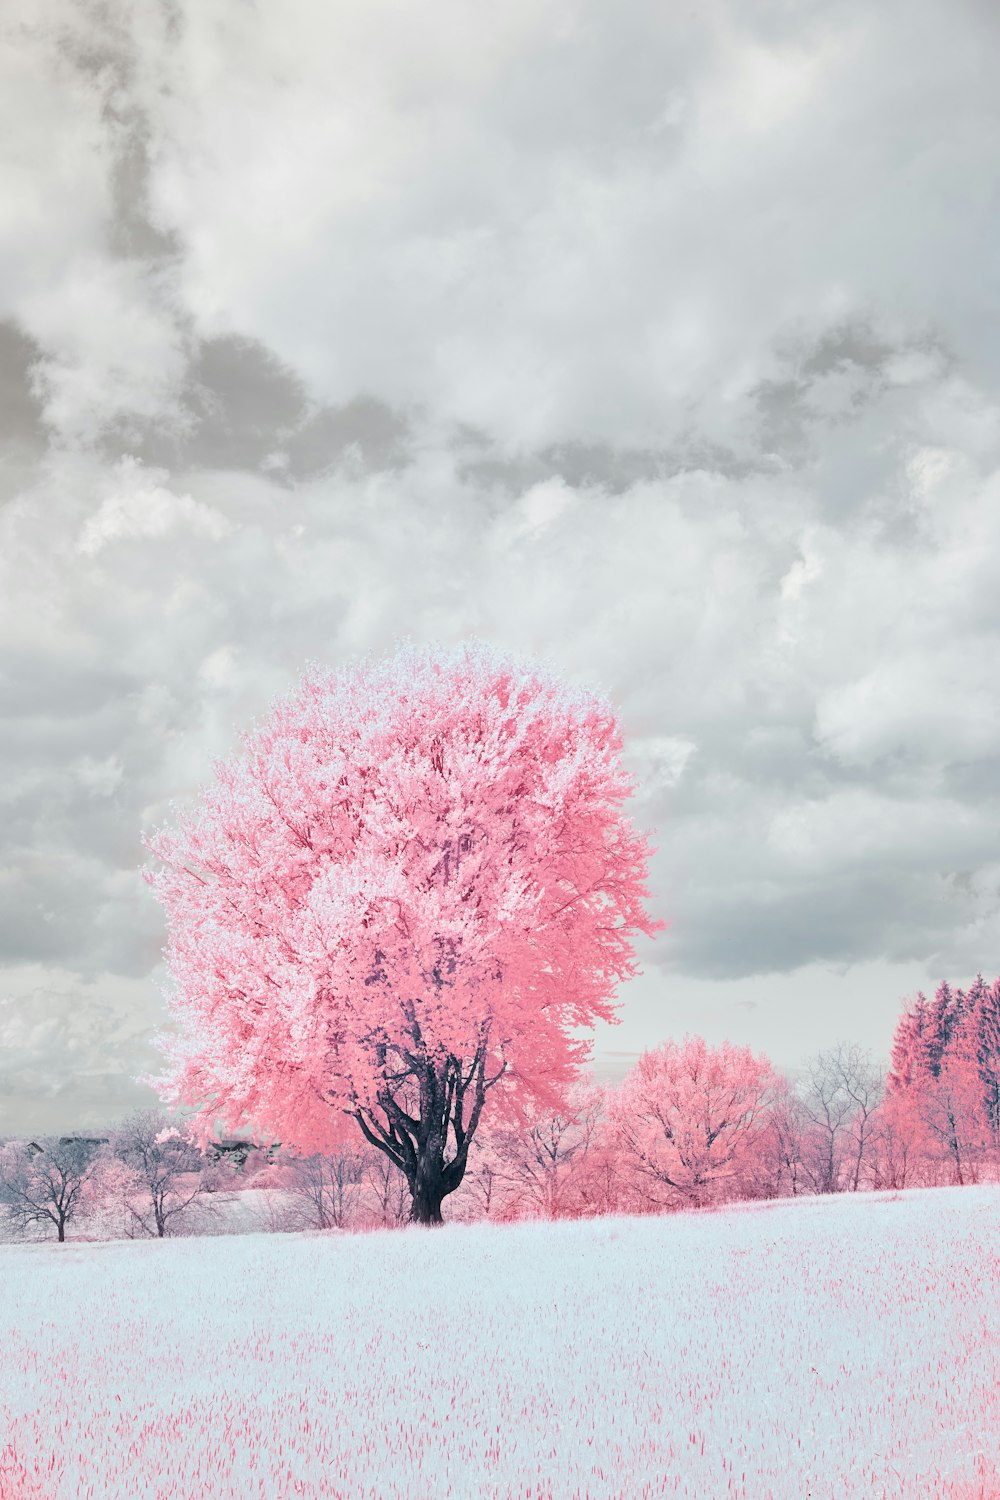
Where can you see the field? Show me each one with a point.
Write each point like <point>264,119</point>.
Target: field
<point>809,1350</point>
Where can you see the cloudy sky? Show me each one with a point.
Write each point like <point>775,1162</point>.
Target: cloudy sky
<point>661,340</point>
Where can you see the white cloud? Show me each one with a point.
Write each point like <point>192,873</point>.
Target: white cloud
<point>392,207</point>
<point>140,507</point>
<point>534,512</point>
<point>112,347</point>
<point>56,189</point>
<point>941,704</point>
<point>659,760</point>
<point>100,777</point>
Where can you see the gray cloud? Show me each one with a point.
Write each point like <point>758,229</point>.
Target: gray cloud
<point>22,432</point>
<point>663,344</point>
<point>242,409</point>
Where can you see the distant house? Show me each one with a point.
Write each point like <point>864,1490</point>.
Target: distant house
<point>230,1148</point>
<point>34,1149</point>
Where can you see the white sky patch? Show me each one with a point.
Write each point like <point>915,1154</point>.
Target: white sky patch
<point>217,668</point>
<point>143,509</point>
<point>659,760</point>
<point>916,700</point>
<point>912,367</point>
<point>99,777</point>
<point>535,512</point>
<point>801,573</point>
<point>928,470</point>
<point>761,87</point>
<point>853,827</point>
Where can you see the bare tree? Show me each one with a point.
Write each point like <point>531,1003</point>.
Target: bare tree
<point>485,1181</point>
<point>537,1156</point>
<point>46,1181</point>
<point>166,1168</point>
<point>321,1186</point>
<point>387,1189</point>
<point>863,1082</point>
<point>838,1096</point>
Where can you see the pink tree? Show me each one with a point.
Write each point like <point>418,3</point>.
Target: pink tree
<point>977,1043</point>
<point>945,1066</point>
<point>688,1119</point>
<point>412,883</point>
<point>899,1144</point>
<point>777,1168</point>
<point>165,1168</point>
<point>600,1185</point>
<point>950,1109</point>
<point>913,1048</point>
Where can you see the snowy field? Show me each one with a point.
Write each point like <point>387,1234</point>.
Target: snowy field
<point>810,1350</point>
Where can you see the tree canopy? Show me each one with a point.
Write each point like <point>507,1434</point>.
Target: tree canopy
<point>412,884</point>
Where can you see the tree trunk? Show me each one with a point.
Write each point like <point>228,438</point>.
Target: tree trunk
<point>426,1206</point>
<point>61,1232</point>
<point>429,1185</point>
<point>418,1144</point>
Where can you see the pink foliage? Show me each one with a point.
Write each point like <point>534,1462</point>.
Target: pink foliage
<point>897,1156</point>
<point>977,1044</point>
<point>950,1111</point>
<point>945,1081</point>
<point>412,883</point>
<point>689,1119</point>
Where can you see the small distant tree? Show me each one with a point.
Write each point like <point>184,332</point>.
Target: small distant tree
<point>485,1188</point>
<point>863,1083</point>
<point>385,1199</point>
<point>688,1118</point>
<point>542,1154</point>
<point>897,1157</point>
<point>46,1181</point>
<point>775,1169</point>
<point>838,1095</point>
<point>950,1109</point>
<point>412,887</point>
<point>599,1182</point>
<point>915,1051</point>
<point>324,1186</point>
<point>166,1170</point>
